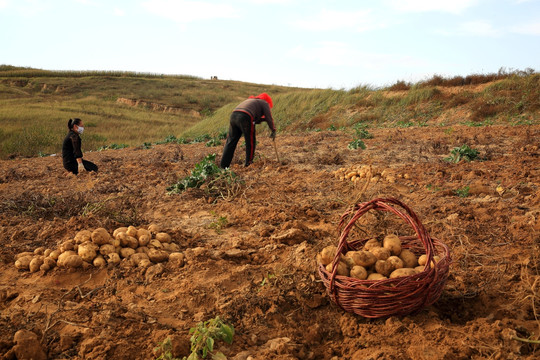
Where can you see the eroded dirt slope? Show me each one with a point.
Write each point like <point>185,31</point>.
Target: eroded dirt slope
<point>242,266</point>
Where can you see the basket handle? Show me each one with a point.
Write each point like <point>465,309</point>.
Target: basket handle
<point>379,204</point>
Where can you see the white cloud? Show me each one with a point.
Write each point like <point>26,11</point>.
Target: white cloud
<point>189,11</point>
<point>119,12</point>
<point>340,54</point>
<point>479,28</point>
<point>87,2</point>
<point>333,20</point>
<point>451,6</point>
<point>527,29</point>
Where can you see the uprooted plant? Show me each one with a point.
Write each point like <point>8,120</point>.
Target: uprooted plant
<point>204,336</point>
<point>218,182</point>
<point>463,152</point>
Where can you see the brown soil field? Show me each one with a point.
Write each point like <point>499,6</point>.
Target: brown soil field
<point>251,257</point>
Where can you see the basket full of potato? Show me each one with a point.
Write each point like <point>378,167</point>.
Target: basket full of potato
<point>388,275</point>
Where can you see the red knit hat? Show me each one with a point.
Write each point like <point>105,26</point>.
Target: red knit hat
<point>265,97</point>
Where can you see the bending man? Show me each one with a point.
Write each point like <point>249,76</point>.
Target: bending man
<point>243,119</point>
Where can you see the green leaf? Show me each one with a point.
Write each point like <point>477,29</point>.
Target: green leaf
<point>210,344</point>
<point>229,333</point>
<point>193,356</point>
<point>218,356</point>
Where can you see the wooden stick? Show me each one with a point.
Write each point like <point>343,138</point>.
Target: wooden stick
<point>275,148</point>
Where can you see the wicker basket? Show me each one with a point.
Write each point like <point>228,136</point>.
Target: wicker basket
<point>388,297</point>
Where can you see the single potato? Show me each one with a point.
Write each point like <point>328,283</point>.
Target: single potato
<point>376,276</point>
<point>359,272</point>
<point>342,269</point>
<point>384,267</point>
<point>100,236</point>
<point>371,244</point>
<point>402,273</point>
<point>380,253</point>
<point>392,243</point>
<point>163,237</point>
<point>364,258</point>
<point>83,236</point>
<point>408,258</point>
<point>328,254</point>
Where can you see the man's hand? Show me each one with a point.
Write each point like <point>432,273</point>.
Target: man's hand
<point>273,135</point>
<point>81,167</point>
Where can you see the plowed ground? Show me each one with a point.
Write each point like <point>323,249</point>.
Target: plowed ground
<point>242,265</point>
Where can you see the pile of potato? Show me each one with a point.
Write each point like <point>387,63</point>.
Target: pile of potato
<point>376,261</point>
<point>356,172</point>
<point>134,247</point>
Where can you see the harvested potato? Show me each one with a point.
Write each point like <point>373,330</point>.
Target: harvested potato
<point>371,244</point>
<point>129,241</point>
<point>177,258</point>
<point>126,252</point>
<point>48,264</point>
<point>54,254</point>
<point>342,269</point>
<point>384,267</point>
<point>154,229</point>
<point>115,242</point>
<point>422,260</point>
<point>157,256</point>
<point>26,253</point>
<point>171,247</point>
<point>328,254</point>
<point>359,272</point>
<point>87,251</point>
<point>348,259</point>
<point>396,262</point>
<point>155,244</point>
<point>142,231</point>
<point>67,246</point>
<point>145,263</point>
<point>83,236</point>
<point>99,261</point>
<point>408,258</point>
<point>119,230</point>
<point>136,258</point>
<point>402,273</point>
<point>47,252</point>
<point>113,258</point>
<point>419,268</point>
<point>144,239</point>
<point>107,249</point>
<point>35,263</point>
<point>39,250</point>
<point>100,236</point>
<point>163,237</point>
<point>380,253</point>
<point>364,258</point>
<point>392,243</point>
<point>131,231</point>
<point>142,249</point>
<point>376,276</point>
<point>63,256</point>
<point>73,261</point>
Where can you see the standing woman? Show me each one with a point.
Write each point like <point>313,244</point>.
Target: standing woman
<point>71,149</point>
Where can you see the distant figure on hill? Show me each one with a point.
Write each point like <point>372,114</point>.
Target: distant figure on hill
<point>71,149</point>
<point>243,119</point>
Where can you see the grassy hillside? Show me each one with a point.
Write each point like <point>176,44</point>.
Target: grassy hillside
<point>134,108</point>
<point>116,107</point>
<point>511,99</point>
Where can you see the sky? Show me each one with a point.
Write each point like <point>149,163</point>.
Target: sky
<point>317,44</point>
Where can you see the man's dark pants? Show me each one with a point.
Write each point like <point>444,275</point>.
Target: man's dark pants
<point>240,123</point>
